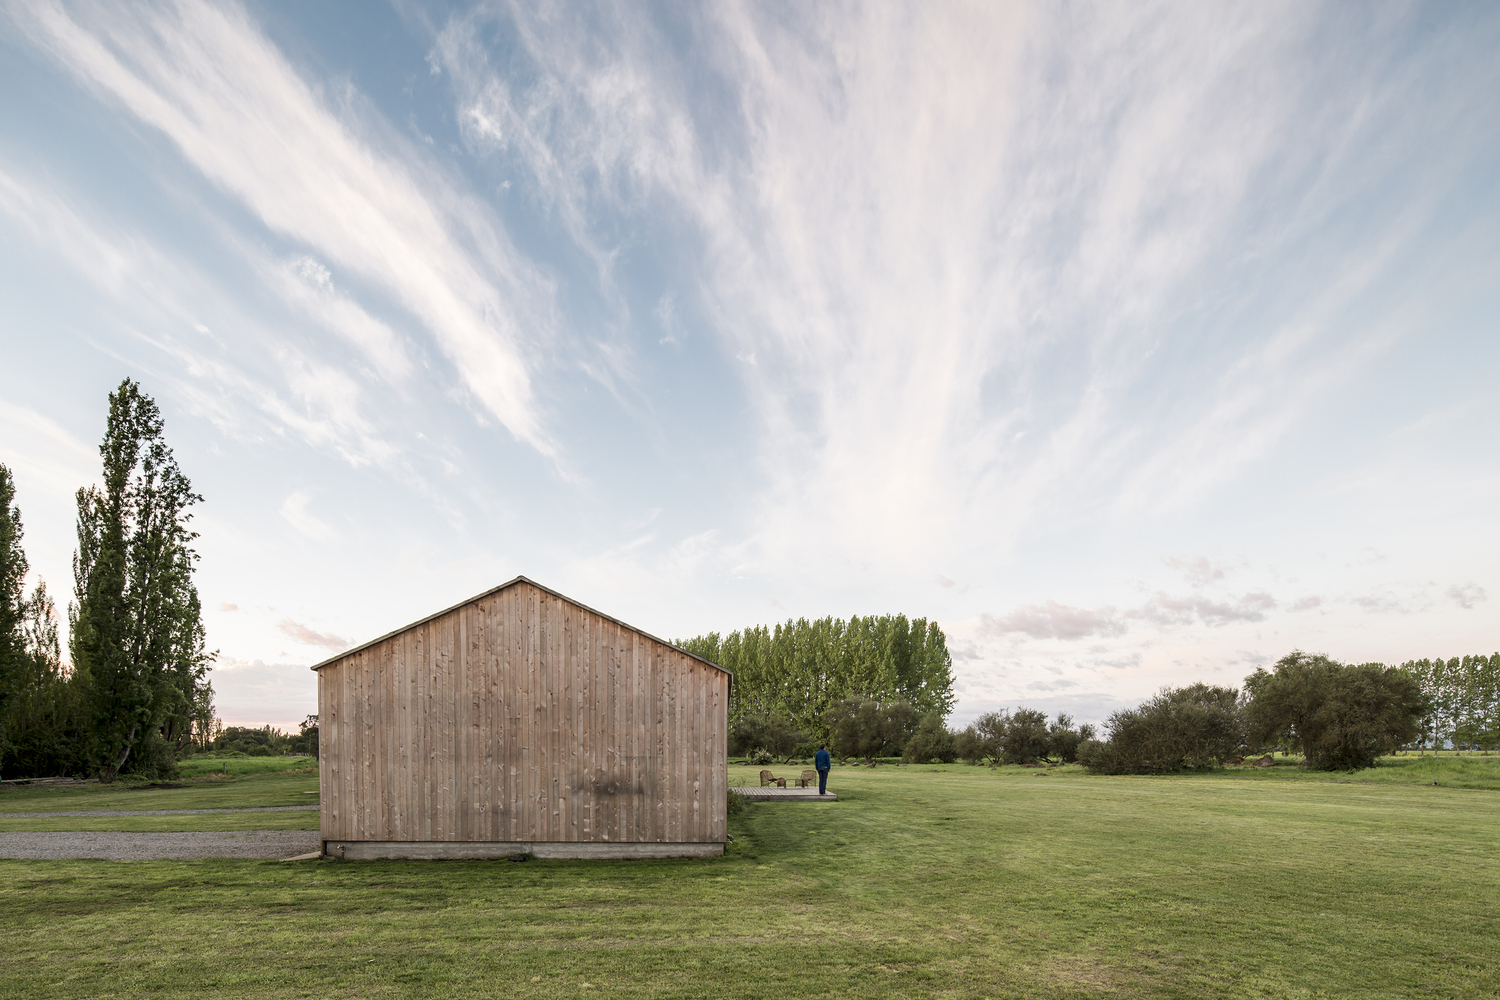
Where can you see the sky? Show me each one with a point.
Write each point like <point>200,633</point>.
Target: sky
<point>1135,344</point>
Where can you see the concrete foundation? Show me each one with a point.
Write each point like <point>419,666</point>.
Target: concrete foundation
<point>468,850</point>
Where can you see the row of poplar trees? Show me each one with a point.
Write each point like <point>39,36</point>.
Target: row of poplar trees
<point>799,671</point>
<point>1463,695</point>
<point>135,684</point>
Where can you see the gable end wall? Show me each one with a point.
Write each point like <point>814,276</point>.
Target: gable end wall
<point>522,717</point>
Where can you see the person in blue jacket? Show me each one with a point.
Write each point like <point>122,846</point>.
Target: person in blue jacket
<point>823,761</point>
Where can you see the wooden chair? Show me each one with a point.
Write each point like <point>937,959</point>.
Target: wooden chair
<point>809,778</point>
<point>767,778</point>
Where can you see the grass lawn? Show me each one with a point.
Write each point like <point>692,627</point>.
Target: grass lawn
<point>202,765</point>
<point>1445,771</point>
<point>295,787</point>
<point>925,881</point>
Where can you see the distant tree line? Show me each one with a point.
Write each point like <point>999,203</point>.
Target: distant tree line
<point>865,685</point>
<point>266,741</point>
<point>1463,696</point>
<point>135,691</point>
<point>1336,716</point>
<point>1022,737</point>
<point>1339,716</point>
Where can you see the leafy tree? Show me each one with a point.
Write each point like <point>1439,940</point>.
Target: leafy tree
<point>984,739</point>
<point>966,745</point>
<point>47,719</point>
<point>42,726</point>
<point>1420,671</point>
<point>866,728</point>
<point>1463,697</point>
<point>202,724</point>
<point>932,741</point>
<point>1188,728</point>
<point>137,628</point>
<point>1341,716</point>
<point>1487,678</point>
<point>799,670</point>
<point>307,741</point>
<point>13,569</point>
<point>1027,739</point>
<point>265,741</point>
<point>764,732</point>
<point>1063,740</point>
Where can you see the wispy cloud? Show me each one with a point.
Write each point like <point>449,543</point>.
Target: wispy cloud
<point>311,398</point>
<point>1381,603</point>
<point>1055,621</point>
<point>908,306</point>
<point>1165,610</point>
<point>308,286</point>
<point>1199,571</point>
<point>900,307</point>
<point>294,511</point>
<point>1059,621</point>
<point>308,637</point>
<point>1467,595</point>
<point>207,78</point>
<point>42,453</point>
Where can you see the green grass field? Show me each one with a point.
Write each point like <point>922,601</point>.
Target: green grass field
<point>249,785</point>
<point>925,881</point>
<point>1448,771</point>
<point>200,766</point>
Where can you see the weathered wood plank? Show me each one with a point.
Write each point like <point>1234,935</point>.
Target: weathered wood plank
<point>522,717</point>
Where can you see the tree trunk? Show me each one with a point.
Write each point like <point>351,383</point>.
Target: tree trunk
<point>124,754</point>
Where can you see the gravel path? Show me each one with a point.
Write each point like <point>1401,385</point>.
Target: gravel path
<point>159,812</point>
<point>159,846</point>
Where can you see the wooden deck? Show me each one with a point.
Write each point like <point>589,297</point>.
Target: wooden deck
<point>772,794</point>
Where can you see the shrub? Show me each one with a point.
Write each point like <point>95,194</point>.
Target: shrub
<point>767,732</point>
<point>1023,738</point>
<point>984,739</point>
<point>262,742</point>
<point>154,759</point>
<point>1189,728</point>
<point>760,757</point>
<point>931,743</point>
<point>1063,741</point>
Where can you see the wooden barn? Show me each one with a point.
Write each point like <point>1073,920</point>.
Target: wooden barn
<point>520,721</point>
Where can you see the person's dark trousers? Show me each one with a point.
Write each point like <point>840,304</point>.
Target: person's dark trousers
<point>822,782</point>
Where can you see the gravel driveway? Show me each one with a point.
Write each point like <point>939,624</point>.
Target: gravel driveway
<point>159,846</point>
<point>159,812</point>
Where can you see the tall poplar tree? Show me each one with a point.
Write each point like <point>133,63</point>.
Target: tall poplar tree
<point>799,670</point>
<point>13,568</point>
<point>137,625</point>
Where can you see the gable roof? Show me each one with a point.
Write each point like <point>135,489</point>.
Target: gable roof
<point>495,590</point>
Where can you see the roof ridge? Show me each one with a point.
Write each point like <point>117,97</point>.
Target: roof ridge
<point>495,590</point>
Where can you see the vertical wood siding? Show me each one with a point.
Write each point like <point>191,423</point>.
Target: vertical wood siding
<point>522,717</point>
